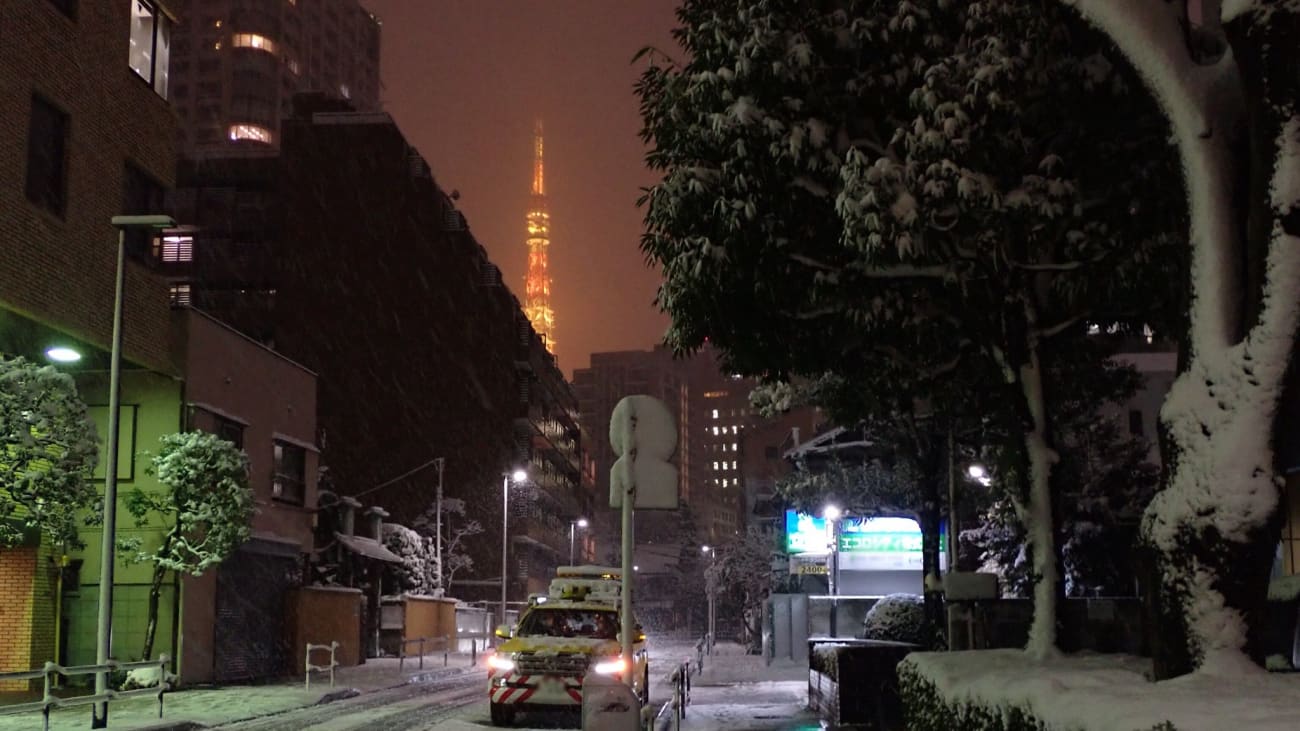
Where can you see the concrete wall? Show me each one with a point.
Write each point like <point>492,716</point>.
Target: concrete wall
<point>321,615</point>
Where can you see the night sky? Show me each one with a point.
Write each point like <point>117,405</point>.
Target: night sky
<point>465,81</point>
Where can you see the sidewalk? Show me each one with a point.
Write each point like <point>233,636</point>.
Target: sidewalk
<point>739,692</point>
<point>192,708</point>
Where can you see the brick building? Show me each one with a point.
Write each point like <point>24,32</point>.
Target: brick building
<point>86,134</point>
<point>236,65</point>
<point>340,251</point>
<point>234,616</point>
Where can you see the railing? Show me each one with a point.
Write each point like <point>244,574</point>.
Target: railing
<point>439,641</point>
<point>49,701</point>
<point>670,715</point>
<point>308,667</point>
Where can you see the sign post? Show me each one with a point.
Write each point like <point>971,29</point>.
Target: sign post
<point>643,434</point>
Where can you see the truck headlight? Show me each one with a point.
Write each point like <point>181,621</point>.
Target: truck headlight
<point>500,662</point>
<point>609,667</point>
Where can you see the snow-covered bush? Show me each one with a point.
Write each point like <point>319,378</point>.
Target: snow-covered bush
<point>48,451</point>
<point>414,574</point>
<point>897,618</point>
<point>926,709</point>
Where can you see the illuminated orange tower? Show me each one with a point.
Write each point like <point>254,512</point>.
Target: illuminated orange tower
<point>537,283</point>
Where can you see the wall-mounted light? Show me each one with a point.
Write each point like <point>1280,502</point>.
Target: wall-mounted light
<point>62,354</point>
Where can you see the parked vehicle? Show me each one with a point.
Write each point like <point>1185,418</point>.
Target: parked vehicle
<point>560,639</point>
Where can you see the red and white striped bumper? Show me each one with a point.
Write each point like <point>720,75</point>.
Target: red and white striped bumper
<point>541,690</point>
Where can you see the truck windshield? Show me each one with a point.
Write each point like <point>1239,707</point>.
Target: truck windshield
<point>570,623</point>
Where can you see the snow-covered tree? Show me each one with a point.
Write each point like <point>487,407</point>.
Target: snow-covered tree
<point>204,511</point>
<point>418,571</point>
<point>48,451</point>
<point>455,549</point>
<point>740,576</point>
<point>1224,73</point>
<point>896,618</point>
<point>850,175</point>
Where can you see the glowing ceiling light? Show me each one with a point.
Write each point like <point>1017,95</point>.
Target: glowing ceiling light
<point>61,354</point>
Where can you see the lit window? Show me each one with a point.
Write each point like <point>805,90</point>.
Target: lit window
<point>735,446</point>
<point>715,413</point>
<point>252,132</point>
<point>735,465</point>
<point>735,430</point>
<point>253,40</point>
<point>294,67</point>
<point>715,431</point>
<point>216,24</point>
<point>180,294</point>
<point>174,248</point>
<point>150,47</point>
<point>216,46</point>
<point>345,91</point>
<point>715,465</point>
<point>724,482</point>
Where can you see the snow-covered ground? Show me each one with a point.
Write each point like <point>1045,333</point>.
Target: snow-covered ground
<point>736,692</point>
<point>1110,692</point>
<point>211,706</point>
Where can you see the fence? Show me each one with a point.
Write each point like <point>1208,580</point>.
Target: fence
<point>49,701</point>
<point>672,713</point>
<point>436,642</point>
<point>308,667</point>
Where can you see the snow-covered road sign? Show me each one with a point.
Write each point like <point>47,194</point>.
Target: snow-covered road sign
<point>643,434</point>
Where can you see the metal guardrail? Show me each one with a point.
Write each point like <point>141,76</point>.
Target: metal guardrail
<point>670,715</point>
<point>49,702</point>
<point>443,642</point>
<point>308,667</point>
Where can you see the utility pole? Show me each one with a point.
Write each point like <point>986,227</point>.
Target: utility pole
<point>437,542</point>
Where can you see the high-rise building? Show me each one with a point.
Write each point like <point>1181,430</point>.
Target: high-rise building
<point>537,283</point>
<point>236,64</point>
<point>341,251</point>
<point>712,412</point>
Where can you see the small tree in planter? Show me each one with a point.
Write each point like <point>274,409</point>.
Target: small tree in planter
<point>48,451</point>
<point>204,510</point>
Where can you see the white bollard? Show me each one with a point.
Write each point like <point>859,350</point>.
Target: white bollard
<point>608,705</point>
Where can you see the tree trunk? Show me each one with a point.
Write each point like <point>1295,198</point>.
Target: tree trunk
<point>1040,522</point>
<point>1213,528</point>
<point>929,517</point>
<point>155,594</point>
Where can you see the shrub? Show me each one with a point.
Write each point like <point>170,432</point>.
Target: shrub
<point>897,618</point>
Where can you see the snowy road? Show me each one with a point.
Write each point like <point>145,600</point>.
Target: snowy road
<point>409,708</point>
<point>737,694</point>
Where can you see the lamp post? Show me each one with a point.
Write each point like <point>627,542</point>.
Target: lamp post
<point>108,552</point>
<point>517,476</point>
<point>579,523</point>
<point>713,602</point>
<point>833,514</point>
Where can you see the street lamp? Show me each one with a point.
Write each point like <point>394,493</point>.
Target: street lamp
<point>713,601</point>
<point>517,476</point>
<point>108,553</point>
<point>579,523</point>
<point>833,514</point>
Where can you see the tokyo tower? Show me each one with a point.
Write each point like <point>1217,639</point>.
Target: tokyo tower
<point>537,283</point>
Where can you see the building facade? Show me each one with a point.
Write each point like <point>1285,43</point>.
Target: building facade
<point>233,617</point>
<point>236,65</point>
<point>340,251</point>
<point>87,134</point>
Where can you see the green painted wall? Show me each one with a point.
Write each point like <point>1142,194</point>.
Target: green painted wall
<point>151,408</point>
